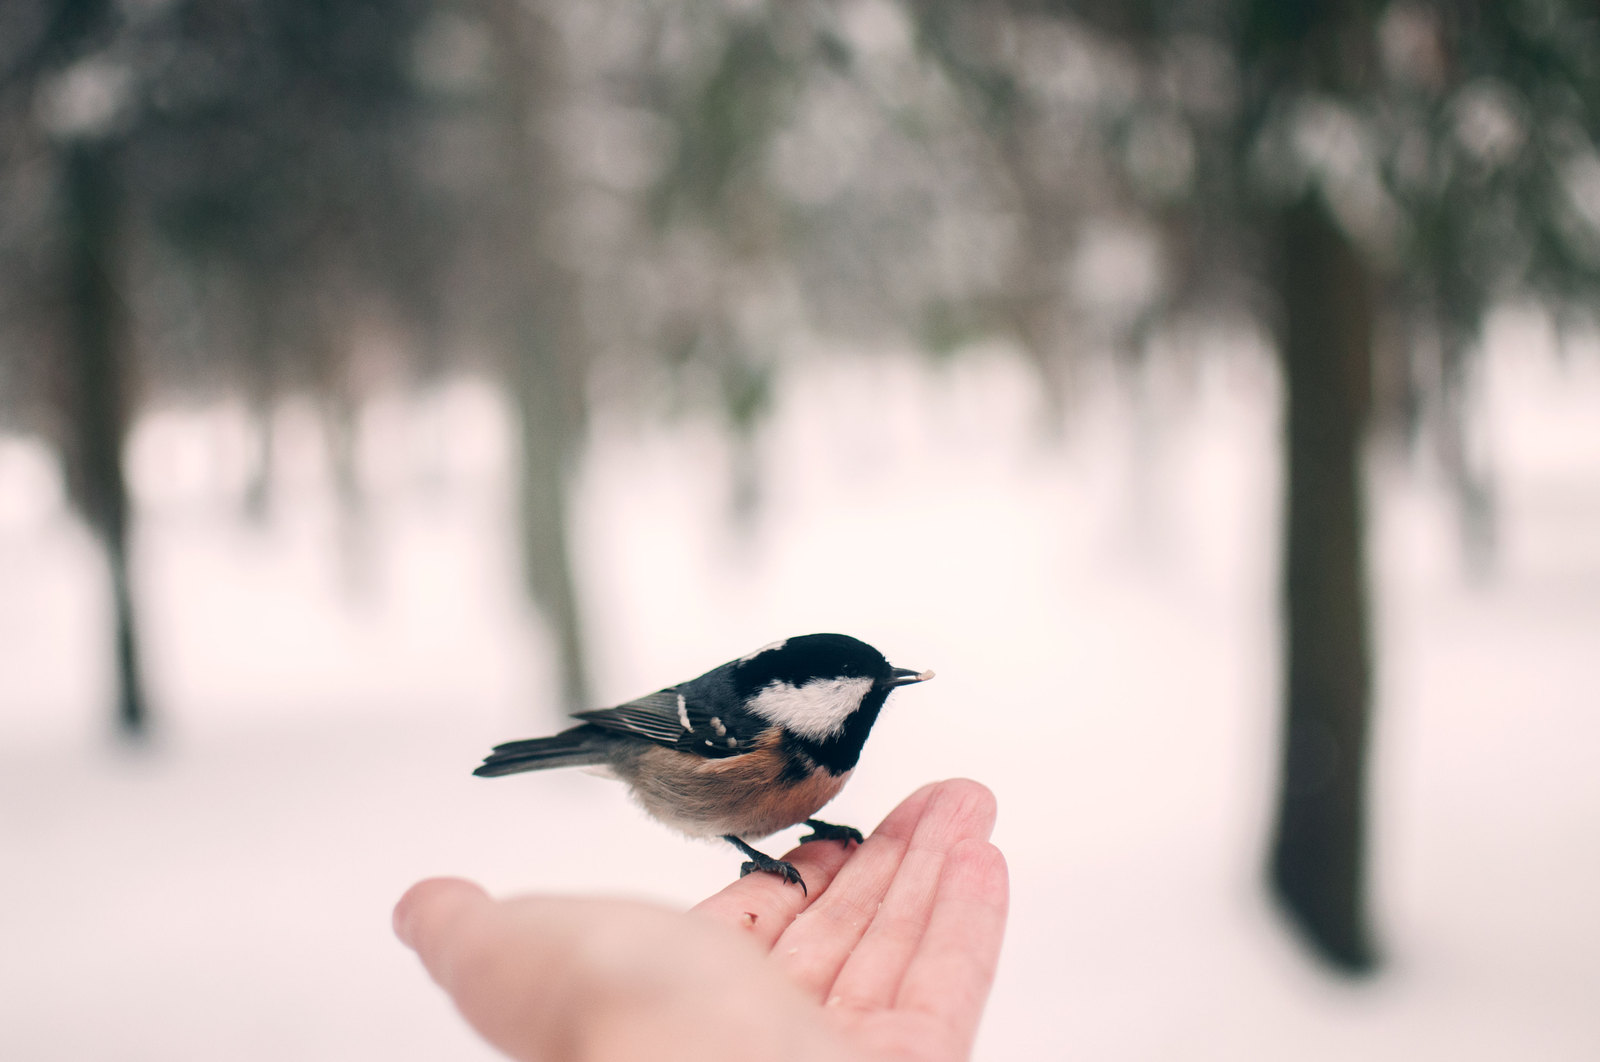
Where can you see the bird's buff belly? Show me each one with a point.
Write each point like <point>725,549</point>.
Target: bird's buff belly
<point>745,796</point>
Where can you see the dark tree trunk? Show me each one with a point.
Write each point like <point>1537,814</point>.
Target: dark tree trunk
<point>546,554</point>
<point>1471,478</point>
<point>1318,860</point>
<point>99,395</point>
<point>546,334</point>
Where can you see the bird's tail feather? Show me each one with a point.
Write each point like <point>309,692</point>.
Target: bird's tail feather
<point>571,748</point>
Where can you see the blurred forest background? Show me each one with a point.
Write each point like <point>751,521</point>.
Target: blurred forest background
<point>658,209</point>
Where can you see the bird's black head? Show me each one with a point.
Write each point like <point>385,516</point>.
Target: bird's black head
<point>825,690</point>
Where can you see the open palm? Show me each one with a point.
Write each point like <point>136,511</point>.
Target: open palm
<point>889,956</point>
<point>897,938</point>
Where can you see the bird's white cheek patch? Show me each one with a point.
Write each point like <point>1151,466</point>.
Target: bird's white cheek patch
<point>816,710</point>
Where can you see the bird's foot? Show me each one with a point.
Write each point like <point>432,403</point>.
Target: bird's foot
<point>786,871</point>
<point>762,861</point>
<point>827,831</point>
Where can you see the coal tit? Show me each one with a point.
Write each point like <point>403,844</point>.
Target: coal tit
<point>745,750</point>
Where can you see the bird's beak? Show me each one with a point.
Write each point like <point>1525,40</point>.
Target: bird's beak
<point>904,676</point>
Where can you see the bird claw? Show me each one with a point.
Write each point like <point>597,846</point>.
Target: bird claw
<point>786,871</point>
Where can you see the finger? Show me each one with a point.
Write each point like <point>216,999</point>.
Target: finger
<point>519,999</point>
<point>429,910</point>
<point>813,945</point>
<point>950,976</point>
<point>764,906</point>
<point>817,946</point>
<point>871,975</point>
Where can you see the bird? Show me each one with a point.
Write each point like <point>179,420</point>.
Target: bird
<point>749,748</point>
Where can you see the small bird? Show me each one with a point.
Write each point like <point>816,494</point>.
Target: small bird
<point>745,750</point>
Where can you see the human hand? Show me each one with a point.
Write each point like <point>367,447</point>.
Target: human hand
<point>890,956</point>
<point>899,938</point>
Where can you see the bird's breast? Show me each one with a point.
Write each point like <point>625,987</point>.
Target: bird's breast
<point>747,796</point>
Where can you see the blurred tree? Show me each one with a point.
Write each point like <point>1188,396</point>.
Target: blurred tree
<point>544,334</point>
<point>98,400</point>
<point>1324,294</point>
<point>61,90</point>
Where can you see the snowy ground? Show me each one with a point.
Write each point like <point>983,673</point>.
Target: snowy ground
<point>1103,632</point>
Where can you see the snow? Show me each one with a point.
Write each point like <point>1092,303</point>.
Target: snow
<point>1103,630</point>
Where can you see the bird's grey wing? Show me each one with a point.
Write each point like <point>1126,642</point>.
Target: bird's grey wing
<point>660,716</point>
<point>672,717</point>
